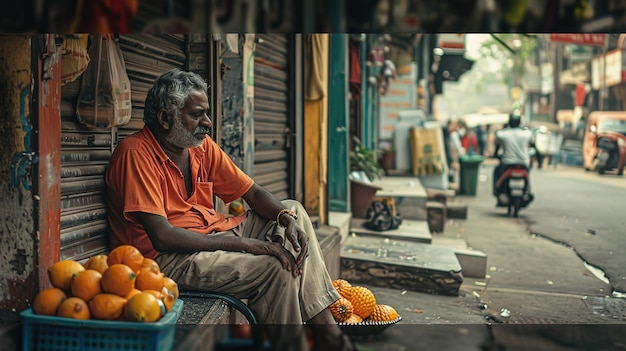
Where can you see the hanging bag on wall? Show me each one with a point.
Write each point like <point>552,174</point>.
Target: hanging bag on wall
<point>74,59</point>
<point>104,100</point>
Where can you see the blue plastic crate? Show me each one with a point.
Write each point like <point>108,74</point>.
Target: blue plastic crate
<point>67,334</point>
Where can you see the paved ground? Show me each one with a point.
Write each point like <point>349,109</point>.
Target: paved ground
<point>554,301</point>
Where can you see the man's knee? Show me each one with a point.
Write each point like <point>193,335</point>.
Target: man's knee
<point>278,274</point>
<point>293,205</point>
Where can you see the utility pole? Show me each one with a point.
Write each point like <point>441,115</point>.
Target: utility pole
<point>602,95</point>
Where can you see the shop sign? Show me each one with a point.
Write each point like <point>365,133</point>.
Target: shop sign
<point>579,38</point>
<point>451,42</point>
<point>597,67</point>
<point>580,53</point>
<point>613,68</point>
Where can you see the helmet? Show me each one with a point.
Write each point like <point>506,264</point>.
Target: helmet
<point>515,119</point>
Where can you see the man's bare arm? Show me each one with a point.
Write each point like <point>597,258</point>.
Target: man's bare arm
<point>268,206</point>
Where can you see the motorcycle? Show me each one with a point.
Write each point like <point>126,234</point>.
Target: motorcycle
<point>604,143</point>
<point>513,189</point>
<point>608,156</point>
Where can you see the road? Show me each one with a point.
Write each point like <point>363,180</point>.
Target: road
<point>553,299</point>
<point>584,211</point>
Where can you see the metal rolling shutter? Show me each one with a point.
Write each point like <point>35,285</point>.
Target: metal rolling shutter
<point>272,123</point>
<point>84,156</point>
<point>85,153</point>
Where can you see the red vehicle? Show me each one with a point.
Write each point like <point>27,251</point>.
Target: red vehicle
<point>604,144</point>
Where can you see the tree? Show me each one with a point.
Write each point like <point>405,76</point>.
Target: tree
<point>511,50</point>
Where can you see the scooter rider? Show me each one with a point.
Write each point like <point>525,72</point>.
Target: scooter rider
<point>514,140</point>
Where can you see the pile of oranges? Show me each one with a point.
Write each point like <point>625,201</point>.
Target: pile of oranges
<point>358,304</point>
<point>121,286</point>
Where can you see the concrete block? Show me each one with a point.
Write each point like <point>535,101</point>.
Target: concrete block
<point>456,210</point>
<point>410,230</point>
<point>436,216</point>
<point>340,220</point>
<point>412,208</point>
<point>473,262</point>
<point>440,195</point>
<point>330,239</point>
<point>408,193</point>
<point>400,264</point>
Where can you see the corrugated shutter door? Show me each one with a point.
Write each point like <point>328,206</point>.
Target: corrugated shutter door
<point>271,114</point>
<point>85,153</point>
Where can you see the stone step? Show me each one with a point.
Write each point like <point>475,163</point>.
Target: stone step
<point>401,264</point>
<point>437,216</point>
<point>410,230</point>
<point>330,241</point>
<point>408,193</point>
<point>440,195</point>
<point>340,220</point>
<point>456,210</point>
<point>473,262</point>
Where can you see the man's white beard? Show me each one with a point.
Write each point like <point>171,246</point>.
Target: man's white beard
<point>181,137</point>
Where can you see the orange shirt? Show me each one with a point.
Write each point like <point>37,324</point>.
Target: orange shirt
<point>142,178</point>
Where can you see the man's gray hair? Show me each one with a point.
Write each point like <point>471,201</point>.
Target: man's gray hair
<point>170,92</point>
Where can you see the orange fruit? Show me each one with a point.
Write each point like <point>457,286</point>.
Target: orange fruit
<point>86,284</point>
<point>149,278</point>
<point>47,301</point>
<point>126,254</point>
<point>241,331</point>
<point>236,208</point>
<point>107,306</point>
<point>148,262</point>
<point>98,263</point>
<point>363,300</point>
<point>340,285</point>
<point>144,307</point>
<point>74,307</point>
<point>171,286</point>
<point>168,299</point>
<point>118,279</point>
<point>353,319</point>
<point>341,309</point>
<point>132,293</point>
<point>165,296</point>
<point>61,272</point>
<point>155,293</point>
<point>383,313</point>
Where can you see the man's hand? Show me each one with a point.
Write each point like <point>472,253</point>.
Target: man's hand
<point>277,250</point>
<point>300,241</point>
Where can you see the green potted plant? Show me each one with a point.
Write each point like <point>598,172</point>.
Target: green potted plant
<point>365,160</point>
<point>363,164</point>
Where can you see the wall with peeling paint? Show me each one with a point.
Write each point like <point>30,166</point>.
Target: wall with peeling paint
<point>16,205</point>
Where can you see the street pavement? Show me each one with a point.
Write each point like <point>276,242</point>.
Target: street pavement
<point>585,211</point>
<point>538,293</point>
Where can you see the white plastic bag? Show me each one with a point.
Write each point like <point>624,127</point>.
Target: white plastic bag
<point>104,100</point>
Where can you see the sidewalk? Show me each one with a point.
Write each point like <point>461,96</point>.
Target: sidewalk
<point>544,286</point>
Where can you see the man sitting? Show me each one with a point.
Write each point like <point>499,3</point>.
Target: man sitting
<point>160,187</point>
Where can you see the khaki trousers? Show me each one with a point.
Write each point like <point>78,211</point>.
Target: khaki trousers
<point>273,293</point>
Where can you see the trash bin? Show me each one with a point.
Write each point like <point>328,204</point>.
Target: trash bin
<point>469,173</point>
